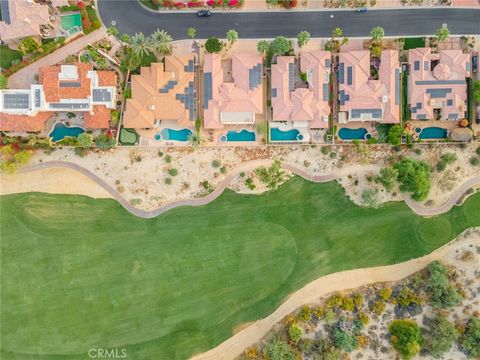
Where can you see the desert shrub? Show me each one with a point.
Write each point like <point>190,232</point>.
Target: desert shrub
<point>441,336</point>
<point>414,177</point>
<point>223,170</point>
<point>343,340</point>
<point>406,297</point>
<point>446,159</point>
<point>325,149</point>
<point>216,163</point>
<point>271,176</point>
<point>168,159</point>
<point>347,304</point>
<point>442,293</point>
<point>475,161</point>
<point>305,313</point>
<point>279,350</point>
<point>405,337</point>
<point>168,181</point>
<point>471,339</point>
<point>385,293</point>
<point>173,172</point>
<point>378,307</point>
<point>295,333</point>
<point>387,177</point>
<point>305,346</point>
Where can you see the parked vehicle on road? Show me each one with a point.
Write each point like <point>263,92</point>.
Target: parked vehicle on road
<point>362,10</point>
<point>204,13</point>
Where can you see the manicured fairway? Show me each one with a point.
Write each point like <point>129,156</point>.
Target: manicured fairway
<point>79,273</point>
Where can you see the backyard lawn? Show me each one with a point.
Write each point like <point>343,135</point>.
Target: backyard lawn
<point>79,273</point>
<point>7,55</point>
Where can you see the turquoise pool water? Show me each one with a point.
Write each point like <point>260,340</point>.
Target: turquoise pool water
<point>243,135</point>
<point>433,133</point>
<point>278,135</point>
<point>352,134</point>
<point>71,23</point>
<point>60,131</point>
<point>171,134</point>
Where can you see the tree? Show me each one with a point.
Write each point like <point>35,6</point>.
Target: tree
<point>3,81</point>
<point>195,139</point>
<point>406,337</point>
<point>140,45</point>
<point>279,350</point>
<point>125,38</point>
<point>213,45</point>
<point>476,91</point>
<point>112,30</point>
<point>85,140</point>
<point>295,333</point>
<point>271,176</point>
<point>414,177</point>
<point>263,46</point>
<point>388,176</point>
<point>104,142</point>
<point>443,294</point>
<point>160,41</point>
<point>377,33</point>
<point>442,34</point>
<point>303,37</point>
<point>441,336</point>
<point>337,39</point>
<point>191,32</point>
<point>281,46</point>
<point>28,45</point>
<point>471,339</point>
<point>394,135</point>
<point>232,36</point>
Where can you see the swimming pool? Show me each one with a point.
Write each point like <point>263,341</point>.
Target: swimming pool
<point>71,23</point>
<point>171,134</point>
<point>352,134</point>
<point>291,135</point>
<point>432,133</point>
<point>243,135</point>
<point>60,131</point>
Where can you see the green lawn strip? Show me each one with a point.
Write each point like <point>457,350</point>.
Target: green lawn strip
<point>80,273</point>
<point>7,55</point>
<point>413,43</point>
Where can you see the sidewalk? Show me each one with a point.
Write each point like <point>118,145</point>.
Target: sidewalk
<point>23,78</point>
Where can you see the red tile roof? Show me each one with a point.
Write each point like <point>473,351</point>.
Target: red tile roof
<point>23,123</point>
<point>107,78</point>
<point>99,119</point>
<point>48,77</point>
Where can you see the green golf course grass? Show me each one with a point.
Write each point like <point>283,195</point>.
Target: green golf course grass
<point>79,273</point>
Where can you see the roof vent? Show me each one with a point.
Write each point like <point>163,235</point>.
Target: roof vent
<point>151,107</point>
<point>384,99</point>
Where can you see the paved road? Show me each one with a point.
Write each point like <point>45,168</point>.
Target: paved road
<point>131,17</point>
<point>245,167</point>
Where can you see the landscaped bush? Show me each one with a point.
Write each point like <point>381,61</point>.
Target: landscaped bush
<point>443,294</point>
<point>388,177</point>
<point>406,337</point>
<point>441,336</point>
<point>294,333</point>
<point>168,159</point>
<point>305,313</point>
<point>104,142</point>
<point>471,339</point>
<point>394,135</point>
<point>216,163</point>
<point>414,177</point>
<point>279,350</point>
<point>173,172</point>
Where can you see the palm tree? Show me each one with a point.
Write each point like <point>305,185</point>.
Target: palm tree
<point>377,33</point>
<point>191,32</point>
<point>232,36</point>
<point>160,41</point>
<point>140,45</point>
<point>442,34</point>
<point>195,139</point>
<point>262,46</point>
<point>337,33</point>
<point>112,30</point>
<point>303,37</point>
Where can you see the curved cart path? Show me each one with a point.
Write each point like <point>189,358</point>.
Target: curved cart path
<point>325,285</point>
<point>245,167</point>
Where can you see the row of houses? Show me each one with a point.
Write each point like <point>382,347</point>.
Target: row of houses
<point>231,93</point>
